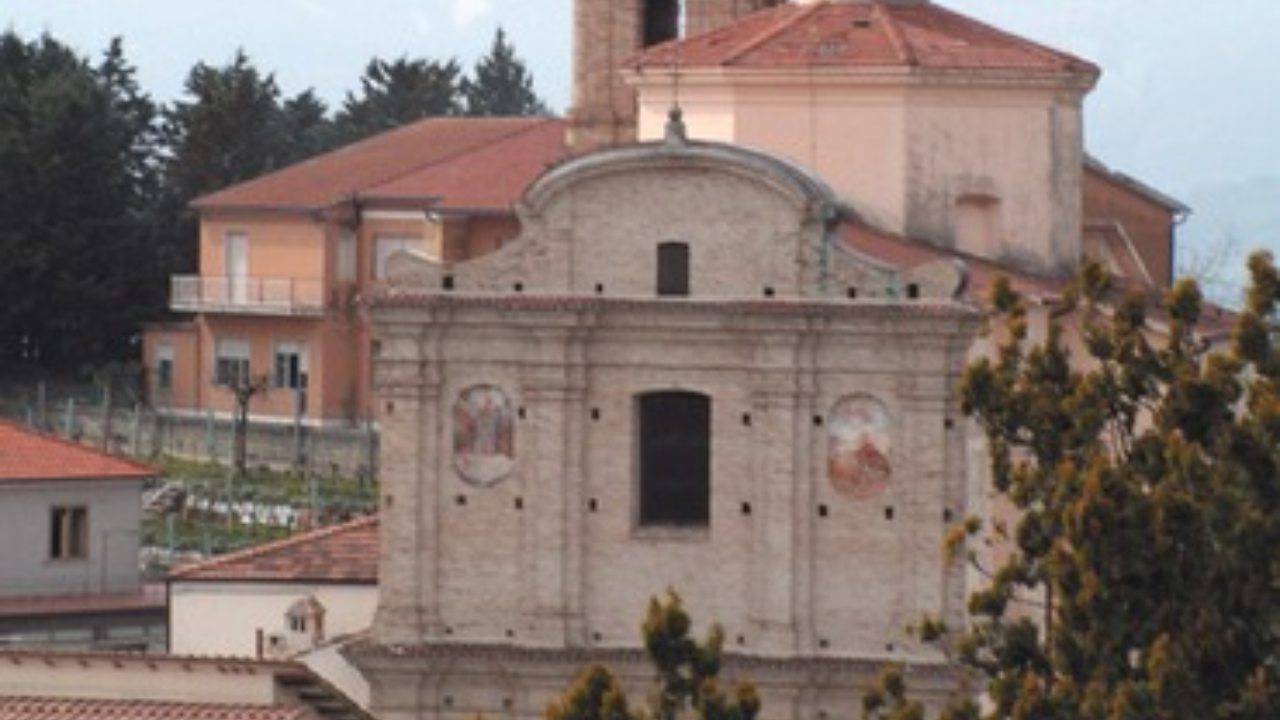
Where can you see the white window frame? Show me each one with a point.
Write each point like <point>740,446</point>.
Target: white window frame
<point>232,350</point>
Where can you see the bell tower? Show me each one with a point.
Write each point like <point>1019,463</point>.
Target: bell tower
<point>607,32</point>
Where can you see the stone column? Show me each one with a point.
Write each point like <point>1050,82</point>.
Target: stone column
<point>553,399</point>
<point>399,387</point>
<point>777,468</point>
<point>924,401</point>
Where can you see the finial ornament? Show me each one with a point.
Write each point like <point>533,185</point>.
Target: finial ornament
<point>677,133</point>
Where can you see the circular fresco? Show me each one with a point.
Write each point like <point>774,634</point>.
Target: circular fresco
<point>483,435</point>
<point>858,448</point>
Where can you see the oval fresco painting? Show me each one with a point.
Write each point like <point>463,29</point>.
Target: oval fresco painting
<point>858,448</point>
<point>483,435</point>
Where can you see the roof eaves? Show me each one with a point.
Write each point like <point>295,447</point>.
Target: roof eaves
<point>1075,64</point>
<point>185,572</point>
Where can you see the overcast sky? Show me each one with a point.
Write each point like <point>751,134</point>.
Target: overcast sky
<point>1189,99</point>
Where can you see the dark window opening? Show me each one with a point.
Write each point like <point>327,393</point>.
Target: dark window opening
<point>675,459</point>
<point>164,374</point>
<point>289,369</point>
<point>69,533</point>
<point>661,21</point>
<point>231,371</point>
<point>673,268</point>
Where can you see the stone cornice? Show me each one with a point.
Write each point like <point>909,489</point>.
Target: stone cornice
<point>406,298</point>
<point>366,653</point>
<point>866,76</point>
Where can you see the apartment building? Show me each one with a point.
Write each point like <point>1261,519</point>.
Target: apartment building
<point>284,258</point>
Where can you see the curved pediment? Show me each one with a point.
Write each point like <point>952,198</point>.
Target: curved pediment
<point>747,224</point>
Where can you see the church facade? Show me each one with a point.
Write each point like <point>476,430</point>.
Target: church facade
<point>664,382</point>
<point>720,356</point>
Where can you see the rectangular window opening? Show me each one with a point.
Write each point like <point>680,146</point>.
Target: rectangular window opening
<point>675,459</point>
<point>231,364</point>
<point>69,533</point>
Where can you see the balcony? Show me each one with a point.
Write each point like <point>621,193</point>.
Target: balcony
<point>247,295</point>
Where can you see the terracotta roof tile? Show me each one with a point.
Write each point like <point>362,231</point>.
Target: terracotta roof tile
<point>346,553</point>
<point>44,708</point>
<point>343,174</point>
<point>491,177</point>
<point>834,34</point>
<point>29,455</point>
<point>906,252</point>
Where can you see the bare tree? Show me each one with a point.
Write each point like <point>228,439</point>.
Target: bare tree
<point>243,390</point>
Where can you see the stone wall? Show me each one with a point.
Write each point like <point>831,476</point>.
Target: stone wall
<point>537,568</point>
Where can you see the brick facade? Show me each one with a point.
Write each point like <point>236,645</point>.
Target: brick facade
<point>529,578</point>
<point>606,33</point>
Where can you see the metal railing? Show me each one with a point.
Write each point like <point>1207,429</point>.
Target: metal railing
<point>256,295</point>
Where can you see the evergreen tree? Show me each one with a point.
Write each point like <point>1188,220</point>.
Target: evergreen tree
<point>77,268</point>
<point>399,92</point>
<point>231,126</point>
<point>1147,479</point>
<point>687,677</point>
<point>501,84</point>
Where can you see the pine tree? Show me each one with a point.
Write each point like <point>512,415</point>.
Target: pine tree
<point>231,126</point>
<point>501,84</point>
<point>1146,474</point>
<point>399,92</point>
<point>77,267</point>
<point>688,673</point>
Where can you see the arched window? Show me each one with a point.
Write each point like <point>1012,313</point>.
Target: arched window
<point>661,21</point>
<point>675,459</point>
<point>673,268</point>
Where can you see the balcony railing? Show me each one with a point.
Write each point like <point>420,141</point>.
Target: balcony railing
<point>249,295</point>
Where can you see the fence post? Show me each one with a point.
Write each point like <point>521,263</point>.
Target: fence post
<point>299,400</point>
<point>209,440</point>
<point>106,416</point>
<point>69,419</point>
<point>135,438</point>
<point>42,415</point>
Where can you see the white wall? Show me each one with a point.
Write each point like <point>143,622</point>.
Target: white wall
<point>901,152</point>
<point>222,618</point>
<point>115,509</point>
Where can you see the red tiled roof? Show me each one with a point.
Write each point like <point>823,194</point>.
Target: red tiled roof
<point>45,708</point>
<point>150,597</point>
<point>904,252</point>
<point>346,553</point>
<point>870,34</point>
<point>487,178</point>
<point>29,455</point>
<point>1216,322</point>
<point>406,152</point>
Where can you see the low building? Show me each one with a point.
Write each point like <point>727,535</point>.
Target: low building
<point>69,574</point>
<point>298,598</point>
<point>47,685</point>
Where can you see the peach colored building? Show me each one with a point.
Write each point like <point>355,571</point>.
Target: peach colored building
<point>927,124</point>
<point>285,257</point>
